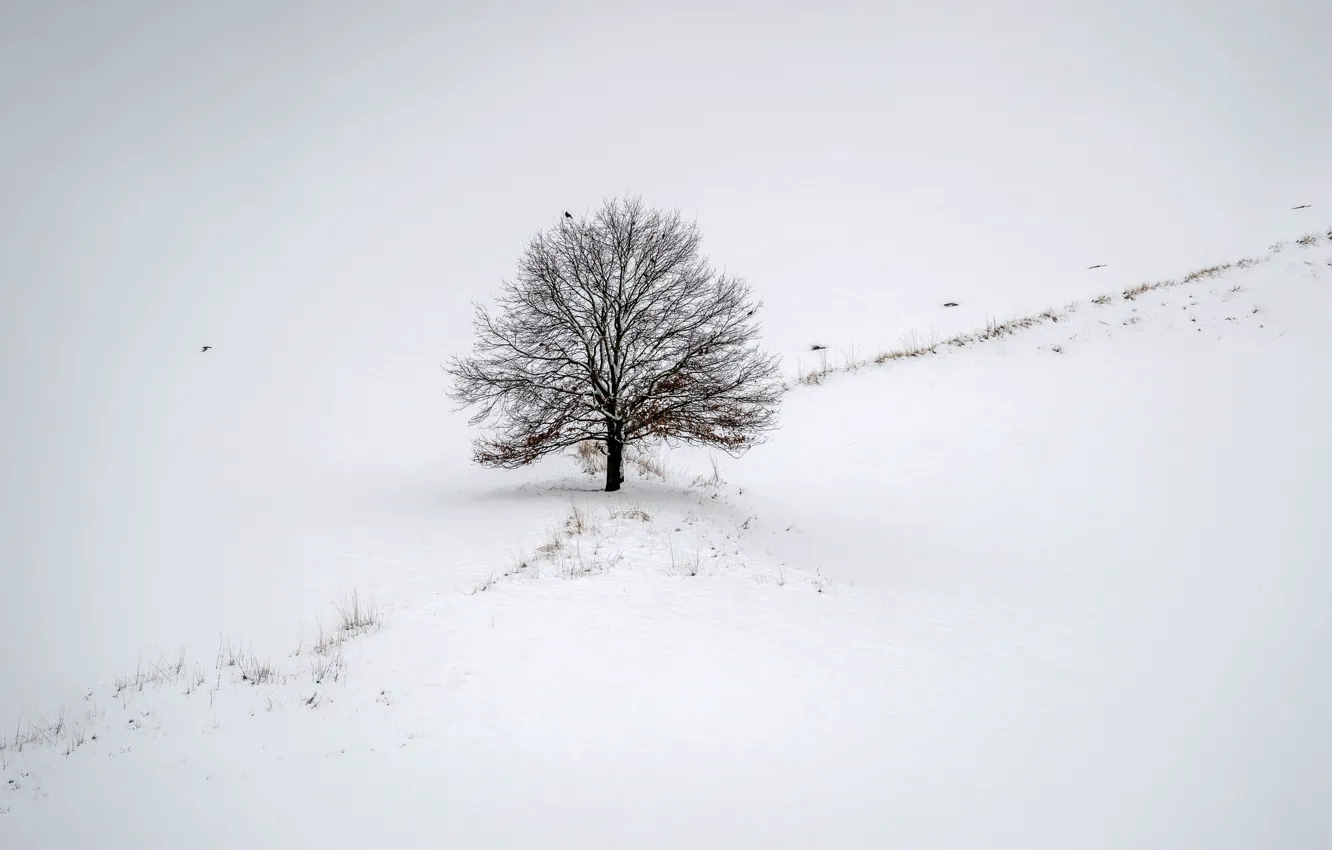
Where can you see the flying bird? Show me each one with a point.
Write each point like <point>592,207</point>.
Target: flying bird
<point>950,304</point>
<point>568,214</point>
<point>1097,266</point>
<point>1302,207</point>
<point>205,348</point>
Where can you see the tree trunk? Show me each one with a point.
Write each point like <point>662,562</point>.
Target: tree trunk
<point>614,458</point>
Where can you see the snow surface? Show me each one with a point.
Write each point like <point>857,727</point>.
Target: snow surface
<point>1000,596</point>
<point>1062,588</point>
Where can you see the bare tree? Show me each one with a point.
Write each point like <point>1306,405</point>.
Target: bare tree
<point>616,329</point>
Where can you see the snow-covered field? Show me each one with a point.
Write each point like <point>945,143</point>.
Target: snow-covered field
<point>1064,587</point>
<point>1063,584</point>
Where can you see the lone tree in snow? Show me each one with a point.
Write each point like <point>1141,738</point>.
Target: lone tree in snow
<point>616,329</point>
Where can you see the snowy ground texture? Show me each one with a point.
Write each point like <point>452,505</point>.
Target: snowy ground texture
<point>1059,582</point>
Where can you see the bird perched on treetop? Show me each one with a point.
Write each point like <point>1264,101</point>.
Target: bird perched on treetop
<point>568,214</point>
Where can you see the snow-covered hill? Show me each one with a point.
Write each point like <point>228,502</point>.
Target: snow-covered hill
<point>1062,583</point>
<point>1059,584</point>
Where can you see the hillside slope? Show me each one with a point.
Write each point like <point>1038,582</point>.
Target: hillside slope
<point>1064,587</point>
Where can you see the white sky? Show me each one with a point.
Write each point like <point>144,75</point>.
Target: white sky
<point>320,189</point>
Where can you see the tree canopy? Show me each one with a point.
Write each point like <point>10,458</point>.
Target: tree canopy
<point>617,329</point>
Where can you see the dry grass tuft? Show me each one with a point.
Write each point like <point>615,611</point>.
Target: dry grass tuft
<point>591,457</point>
<point>913,346</point>
<point>1209,272</point>
<point>327,667</point>
<point>42,733</point>
<point>561,546</point>
<point>248,667</point>
<point>995,329</point>
<point>161,673</point>
<point>580,520</point>
<point>551,546</point>
<point>572,549</point>
<point>256,672</point>
<point>910,346</point>
<point>575,563</point>
<point>635,513</point>
<point>239,665</point>
<point>359,615</point>
<point>713,479</point>
<point>649,466</point>
<point>690,565</point>
<point>1134,291</point>
<point>483,586</point>
<point>813,375</point>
